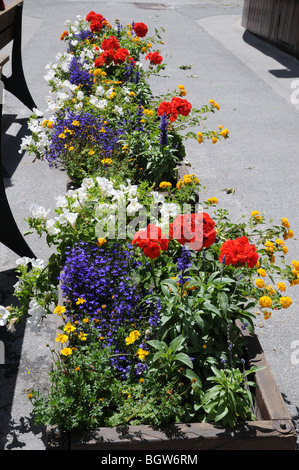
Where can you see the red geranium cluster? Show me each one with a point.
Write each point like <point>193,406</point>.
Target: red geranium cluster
<point>140,29</point>
<point>239,252</point>
<point>151,240</point>
<point>197,231</point>
<point>174,107</point>
<point>95,20</point>
<point>154,58</point>
<point>112,53</point>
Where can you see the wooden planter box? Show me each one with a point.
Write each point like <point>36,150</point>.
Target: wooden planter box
<point>273,429</point>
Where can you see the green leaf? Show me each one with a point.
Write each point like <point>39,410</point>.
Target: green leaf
<point>223,301</point>
<point>177,342</point>
<point>185,359</point>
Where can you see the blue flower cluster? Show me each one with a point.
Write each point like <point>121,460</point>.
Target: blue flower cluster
<point>103,278</point>
<point>80,76</point>
<point>84,130</point>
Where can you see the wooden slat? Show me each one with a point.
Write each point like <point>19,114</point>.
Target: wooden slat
<point>8,16</point>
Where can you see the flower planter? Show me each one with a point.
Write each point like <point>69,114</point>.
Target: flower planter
<point>273,428</point>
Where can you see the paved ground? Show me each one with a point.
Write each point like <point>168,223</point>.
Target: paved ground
<point>251,81</point>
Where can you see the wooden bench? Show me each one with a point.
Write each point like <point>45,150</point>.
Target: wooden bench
<point>11,30</point>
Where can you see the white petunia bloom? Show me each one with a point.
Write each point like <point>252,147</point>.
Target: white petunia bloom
<point>39,212</point>
<point>134,206</point>
<point>38,263</point>
<point>36,312</point>
<point>50,226</point>
<point>4,313</point>
<point>23,261</point>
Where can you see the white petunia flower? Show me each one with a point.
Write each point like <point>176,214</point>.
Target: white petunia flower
<point>51,229</point>
<point>4,313</point>
<point>36,312</point>
<point>39,212</point>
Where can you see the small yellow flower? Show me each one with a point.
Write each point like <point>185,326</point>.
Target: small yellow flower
<point>165,185</point>
<point>132,337</point>
<point>80,301</point>
<point>260,283</point>
<point>82,336</point>
<point>265,301</point>
<point>285,249</point>
<point>288,234</point>
<point>69,328</point>
<point>281,286</point>
<point>59,310</point>
<point>214,140</point>
<point>76,123</point>
<point>224,132</point>
<point>91,152</point>
<point>61,338</point>
<point>269,246</point>
<point>62,135</point>
<point>66,351</point>
<point>212,200</point>
<point>141,353</point>
<point>261,272</point>
<point>29,395</point>
<point>279,242</point>
<point>285,302</point>
<point>295,265</point>
<point>101,241</point>
<point>285,222</point>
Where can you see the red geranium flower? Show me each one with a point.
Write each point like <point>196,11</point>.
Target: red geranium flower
<point>239,252</point>
<point>174,107</point>
<point>140,29</point>
<point>95,20</point>
<point>183,106</point>
<point>120,56</point>
<point>110,43</point>
<point>194,230</point>
<point>151,240</point>
<point>154,58</point>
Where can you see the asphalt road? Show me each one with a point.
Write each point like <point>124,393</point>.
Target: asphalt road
<point>251,80</point>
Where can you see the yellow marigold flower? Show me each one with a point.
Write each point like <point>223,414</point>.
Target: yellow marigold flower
<point>101,241</point>
<point>214,140</point>
<point>285,249</point>
<point>281,286</point>
<point>285,302</point>
<point>50,125</point>
<point>260,283</point>
<point>270,247</point>
<point>224,132</point>
<point>212,200</point>
<point>261,272</point>
<point>132,337</point>
<point>59,310</point>
<point>66,351</point>
<point>285,222</point>
<point>295,265</point>
<point>69,328</point>
<point>71,147</point>
<point>141,353</point>
<point>61,338</point>
<point>279,242</point>
<point>289,234</point>
<point>254,213</point>
<point>97,72</point>
<point>29,395</point>
<point>165,185</point>
<point>179,184</point>
<point>265,301</point>
<point>270,290</point>
<point>181,87</point>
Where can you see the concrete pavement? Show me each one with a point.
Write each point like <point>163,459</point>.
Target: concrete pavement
<point>251,80</point>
